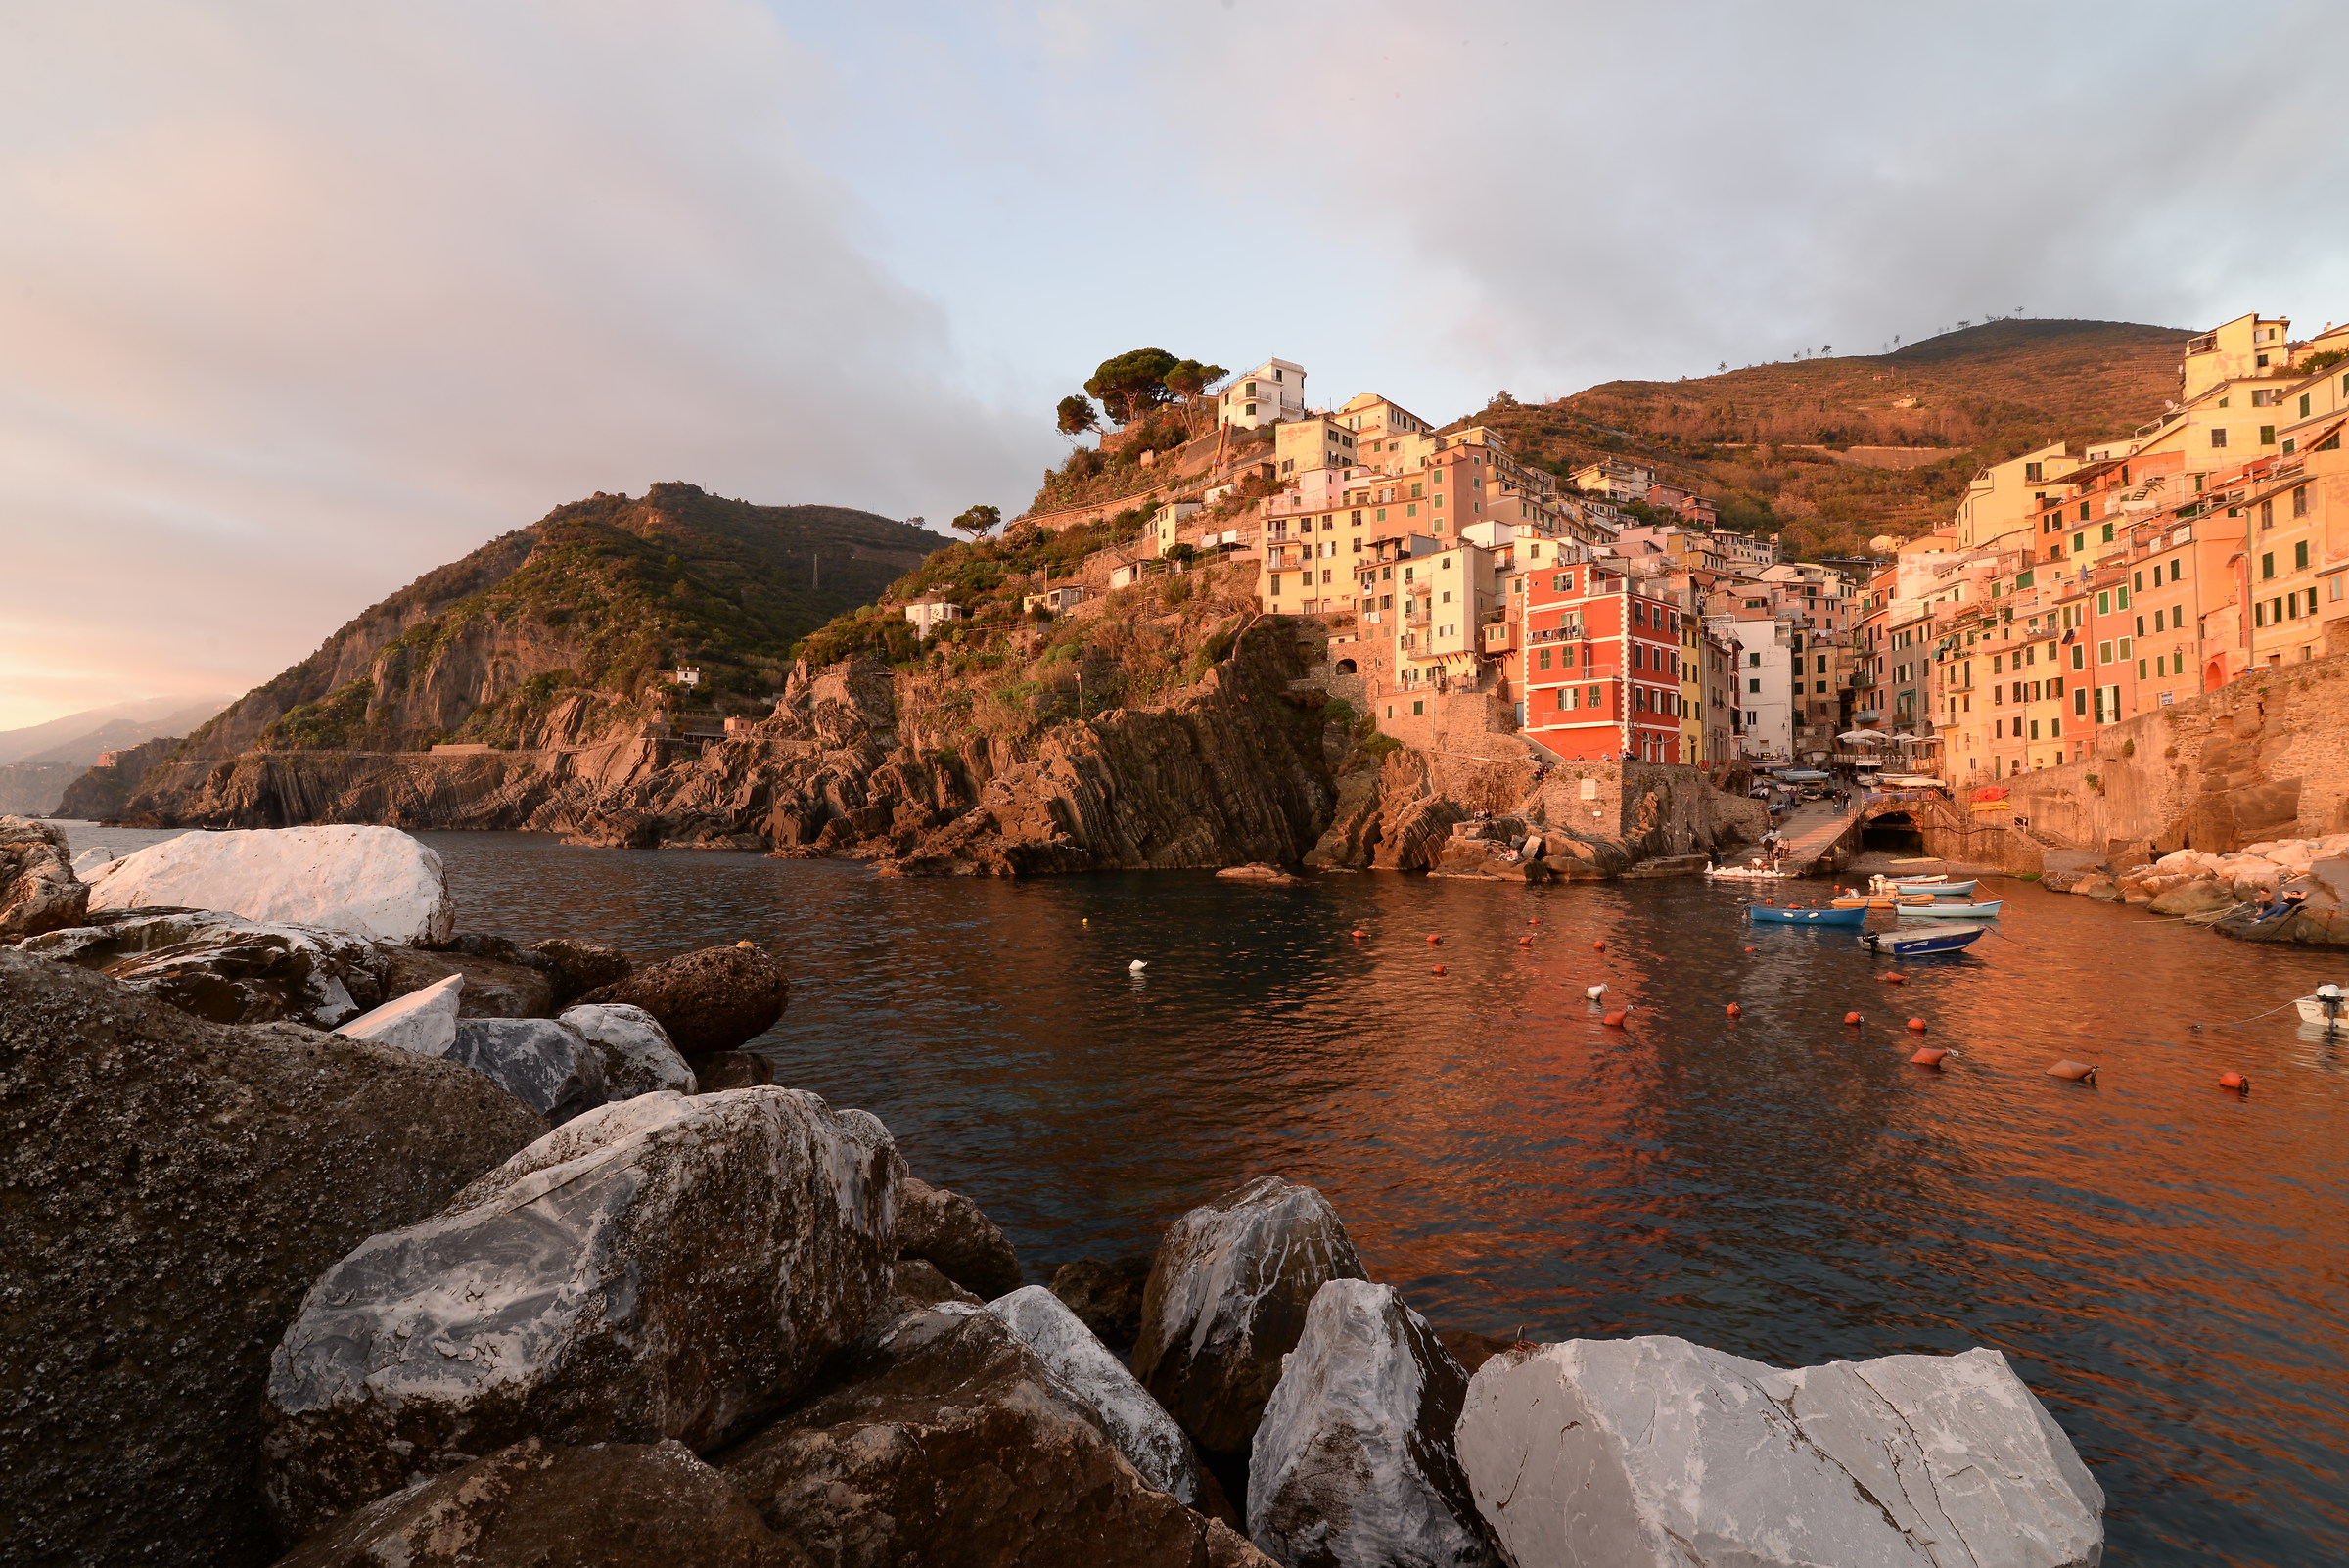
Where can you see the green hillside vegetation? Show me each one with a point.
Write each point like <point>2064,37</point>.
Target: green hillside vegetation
<point>601,597</point>
<point>1767,443</point>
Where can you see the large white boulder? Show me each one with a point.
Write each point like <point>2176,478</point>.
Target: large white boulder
<point>1655,1451</point>
<point>423,1020</point>
<point>372,881</point>
<point>1353,1465</point>
<point>664,1267</point>
<point>1227,1300</point>
<point>1136,1422</point>
<point>638,1058</point>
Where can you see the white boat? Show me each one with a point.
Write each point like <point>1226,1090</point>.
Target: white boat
<point>2327,1006</point>
<point>1950,909</point>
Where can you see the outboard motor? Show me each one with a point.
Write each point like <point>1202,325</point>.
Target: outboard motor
<point>2328,996</point>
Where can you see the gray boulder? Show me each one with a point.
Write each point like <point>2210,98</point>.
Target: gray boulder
<point>941,1439</point>
<point>423,1020</point>
<point>1122,1408</point>
<point>664,1267</point>
<point>1228,1299</point>
<point>952,1232</point>
<point>548,1067</point>
<point>1354,1465</point>
<point>186,1186</point>
<point>1653,1451</point>
<point>225,969</point>
<point>540,1505</point>
<point>637,1056</point>
<point>38,889</point>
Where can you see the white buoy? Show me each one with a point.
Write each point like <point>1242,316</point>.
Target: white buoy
<point>1138,965</point>
<point>1596,992</point>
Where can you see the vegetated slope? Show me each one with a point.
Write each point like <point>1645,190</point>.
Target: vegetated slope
<point>1771,442</point>
<point>552,630</point>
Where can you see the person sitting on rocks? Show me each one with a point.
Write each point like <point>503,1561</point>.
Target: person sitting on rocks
<point>2287,900</point>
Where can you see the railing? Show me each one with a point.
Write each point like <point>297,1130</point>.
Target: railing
<point>1555,635</point>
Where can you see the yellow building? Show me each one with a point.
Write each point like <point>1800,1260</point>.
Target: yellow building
<point>2007,498</point>
<point>1301,445</point>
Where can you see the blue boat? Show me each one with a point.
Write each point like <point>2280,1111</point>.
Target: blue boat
<point>1770,914</point>
<point>1915,941</point>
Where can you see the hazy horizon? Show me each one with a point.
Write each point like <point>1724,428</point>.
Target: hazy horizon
<point>303,302</point>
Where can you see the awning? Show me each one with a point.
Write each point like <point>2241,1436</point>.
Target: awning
<point>1863,735</point>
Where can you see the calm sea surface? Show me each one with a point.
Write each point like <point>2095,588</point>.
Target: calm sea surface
<point>2166,1263</point>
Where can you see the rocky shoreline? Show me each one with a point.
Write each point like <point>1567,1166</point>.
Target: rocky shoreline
<point>566,1282</point>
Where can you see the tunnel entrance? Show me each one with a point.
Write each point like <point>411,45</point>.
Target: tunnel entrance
<point>1895,833</point>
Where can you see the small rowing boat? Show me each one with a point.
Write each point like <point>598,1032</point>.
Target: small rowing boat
<point>1770,914</point>
<point>1917,941</point>
<point>1937,890</point>
<point>1949,910</point>
<point>2327,1007</point>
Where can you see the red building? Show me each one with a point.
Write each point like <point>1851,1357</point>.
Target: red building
<point>1599,664</point>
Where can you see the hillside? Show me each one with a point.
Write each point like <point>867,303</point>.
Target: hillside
<point>38,761</point>
<point>557,629</point>
<point>1772,444</point>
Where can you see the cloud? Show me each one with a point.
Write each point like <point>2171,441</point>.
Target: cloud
<point>304,300</point>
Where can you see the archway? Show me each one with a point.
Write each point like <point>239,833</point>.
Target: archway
<point>1345,667</point>
<point>1895,833</point>
<point>2214,674</point>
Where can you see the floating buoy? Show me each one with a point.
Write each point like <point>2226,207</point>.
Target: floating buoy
<point>1852,1018</point>
<point>1735,1011</point>
<point>1598,946</point>
<point>1749,949</point>
<point>1138,965</point>
<point>1533,920</point>
<point>1894,978</point>
<point>1360,933</point>
<point>1525,942</point>
<point>1614,1020</point>
<point>1928,1056</point>
<point>1439,969</point>
<point>1596,992</point>
<point>1433,938</point>
<point>1918,1024</point>
<point>754,947</point>
<point>1085,921</point>
<point>2241,1083</point>
<point>2073,1072</point>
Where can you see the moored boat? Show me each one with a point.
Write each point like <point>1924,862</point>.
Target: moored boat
<point>1949,910</point>
<point>2329,1006</point>
<point>1770,914</point>
<point>1915,941</point>
<point>1937,888</point>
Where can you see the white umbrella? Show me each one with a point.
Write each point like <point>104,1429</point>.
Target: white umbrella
<point>1862,735</point>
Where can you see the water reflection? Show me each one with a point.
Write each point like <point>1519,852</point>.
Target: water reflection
<point>2165,1262</point>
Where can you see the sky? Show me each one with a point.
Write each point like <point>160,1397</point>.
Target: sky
<point>299,301</point>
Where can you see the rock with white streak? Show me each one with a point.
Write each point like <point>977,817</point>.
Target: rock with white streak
<point>1227,1300</point>
<point>372,881</point>
<point>90,859</point>
<point>1353,1466</point>
<point>664,1267</point>
<point>1656,1451</point>
<point>549,1067</point>
<point>224,969</point>
<point>423,1020</point>
<point>1136,1422</point>
<point>638,1058</point>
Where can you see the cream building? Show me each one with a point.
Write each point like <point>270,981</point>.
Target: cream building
<point>1272,392</point>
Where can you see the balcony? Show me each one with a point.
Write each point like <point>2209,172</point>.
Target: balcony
<point>1417,618</point>
<point>1567,633</point>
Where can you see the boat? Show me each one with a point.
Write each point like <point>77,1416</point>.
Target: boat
<point>1915,941</point>
<point>1948,910</point>
<point>2329,1006</point>
<point>1935,876</point>
<point>1937,890</point>
<point>1749,873</point>
<point>1772,915</point>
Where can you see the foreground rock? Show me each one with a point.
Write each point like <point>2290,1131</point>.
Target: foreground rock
<point>1228,1299</point>
<point>943,1440</point>
<point>578,967</point>
<point>637,1056</point>
<point>952,1232</point>
<point>38,889</point>
<point>709,1000</point>
<point>1144,1432</point>
<point>372,881</point>
<point>224,969</point>
<point>1353,1467</point>
<point>551,1069</point>
<point>1654,1451</point>
<point>663,1268</point>
<point>423,1020</point>
<point>1105,1297</point>
<point>494,988</point>
<point>539,1506</point>
<point>188,1184</point>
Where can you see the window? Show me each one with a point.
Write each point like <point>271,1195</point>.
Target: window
<point>2104,603</point>
<point>2177,566</point>
<point>1565,697</point>
<point>2267,514</point>
<point>2267,435</point>
<point>2218,436</point>
<point>1546,659</point>
<point>2300,556</point>
<point>2034,730</point>
<point>1755,660</point>
<point>2108,539</point>
<point>1419,704</point>
<point>2079,701</point>
<point>1753,685</point>
<point>2267,565</point>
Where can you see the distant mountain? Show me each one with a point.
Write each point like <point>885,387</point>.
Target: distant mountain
<point>1785,447</point>
<point>80,737</point>
<point>559,629</point>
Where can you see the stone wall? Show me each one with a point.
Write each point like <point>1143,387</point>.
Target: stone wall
<point>1652,809</point>
<point>2264,758</point>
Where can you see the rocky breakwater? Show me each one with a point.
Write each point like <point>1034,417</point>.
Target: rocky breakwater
<point>2287,889</point>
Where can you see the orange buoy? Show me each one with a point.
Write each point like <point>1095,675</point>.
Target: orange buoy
<point>1615,1020</point>
<point>1736,1011</point>
<point>1360,933</point>
<point>1439,969</point>
<point>1852,1018</point>
<point>1533,920</point>
<point>1525,942</point>
<point>1749,949</point>
<point>1918,1024</point>
<point>1598,946</point>
<point>1894,978</point>
<point>2073,1072</point>
<point>2241,1083</point>
<point>1927,1057</point>
<point>1433,938</point>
